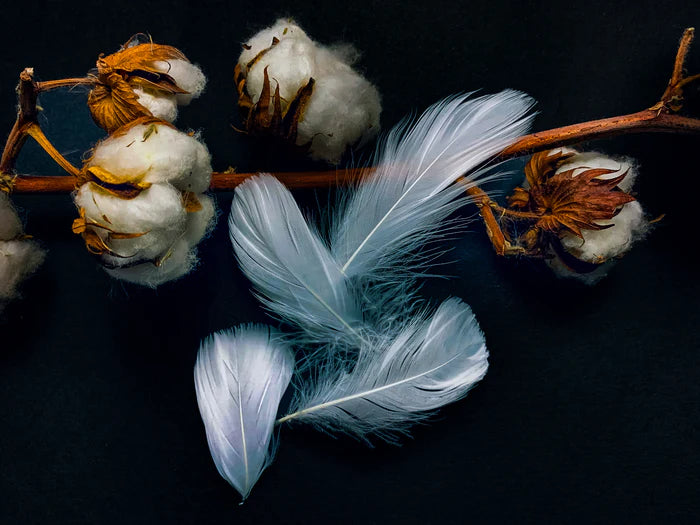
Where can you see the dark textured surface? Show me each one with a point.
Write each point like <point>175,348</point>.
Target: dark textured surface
<point>590,411</point>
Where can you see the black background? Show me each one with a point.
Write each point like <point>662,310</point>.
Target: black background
<point>590,410</point>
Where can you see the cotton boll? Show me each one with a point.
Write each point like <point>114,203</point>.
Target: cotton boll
<point>596,246</point>
<point>160,154</point>
<point>157,213</point>
<point>180,261</point>
<point>10,225</point>
<point>283,29</point>
<point>187,76</point>
<point>161,105</point>
<point>290,64</point>
<point>343,108</point>
<point>18,260</point>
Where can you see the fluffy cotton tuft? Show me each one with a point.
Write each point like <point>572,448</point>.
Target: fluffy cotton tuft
<point>156,153</point>
<point>344,107</point>
<point>599,247</point>
<point>152,236</point>
<point>163,105</point>
<point>19,257</point>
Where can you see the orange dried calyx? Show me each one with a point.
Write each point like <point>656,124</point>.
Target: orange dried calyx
<point>567,201</point>
<point>112,102</point>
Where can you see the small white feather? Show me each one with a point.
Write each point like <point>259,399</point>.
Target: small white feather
<point>399,207</point>
<point>288,263</point>
<point>240,377</point>
<point>427,364</point>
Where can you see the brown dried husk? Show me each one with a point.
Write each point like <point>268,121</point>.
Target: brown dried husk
<point>271,116</point>
<point>568,201</point>
<point>112,102</point>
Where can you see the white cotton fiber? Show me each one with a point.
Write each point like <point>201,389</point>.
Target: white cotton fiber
<point>596,246</point>
<point>187,76</point>
<point>182,256</point>
<point>159,153</point>
<point>180,261</point>
<point>157,213</point>
<point>344,107</point>
<point>10,225</point>
<point>19,257</point>
<point>282,29</point>
<point>18,260</point>
<point>595,160</point>
<point>161,105</point>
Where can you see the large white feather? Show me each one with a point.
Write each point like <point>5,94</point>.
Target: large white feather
<point>384,223</point>
<point>240,377</point>
<point>290,266</point>
<point>427,364</point>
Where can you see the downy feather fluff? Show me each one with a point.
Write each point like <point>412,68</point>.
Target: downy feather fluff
<point>240,377</point>
<point>290,266</point>
<point>428,363</point>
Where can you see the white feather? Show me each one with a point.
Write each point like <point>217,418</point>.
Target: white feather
<point>240,377</point>
<point>427,364</point>
<point>288,263</point>
<point>384,223</point>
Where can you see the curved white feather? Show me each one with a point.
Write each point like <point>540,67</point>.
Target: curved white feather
<point>427,364</point>
<point>288,263</point>
<point>397,208</point>
<point>240,377</point>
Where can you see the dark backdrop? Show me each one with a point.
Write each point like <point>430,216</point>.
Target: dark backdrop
<point>589,411</point>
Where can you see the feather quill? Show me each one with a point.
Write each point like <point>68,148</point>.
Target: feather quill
<point>240,377</point>
<point>382,225</point>
<point>427,364</point>
<point>290,266</point>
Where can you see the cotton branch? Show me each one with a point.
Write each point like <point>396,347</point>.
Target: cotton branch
<point>660,118</point>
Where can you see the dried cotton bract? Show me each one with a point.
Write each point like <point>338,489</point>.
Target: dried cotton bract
<point>143,79</point>
<point>583,213</point>
<point>597,247</point>
<point>141,202</point>
<point>294,89</point>
<point>19,256</point>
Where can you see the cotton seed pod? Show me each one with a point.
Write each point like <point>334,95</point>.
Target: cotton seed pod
<point>293,89</point>
<point>587,215</point>
<point>142,80</point>
<point>140,200</point>
<point>20,256</point>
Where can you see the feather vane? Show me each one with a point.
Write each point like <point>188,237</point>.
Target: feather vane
<point>427,364</point>
<point>399,207</point>
<point>290,266</point>
<point>240,377</point>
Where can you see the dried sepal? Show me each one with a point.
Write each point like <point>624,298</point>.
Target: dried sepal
<point>572,202</point>
<point>271,116</point>
<point>94,242</point>
<point>543,165</point>
<point>190,202</point>
<point>112,102</point>
<point>557,202</point>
